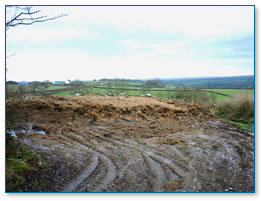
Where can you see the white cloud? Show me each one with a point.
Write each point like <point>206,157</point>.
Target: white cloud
<point>62,65</point>
<point>175,48</point>
<point>170,57</point>
<point>48,34</point>
<point>192,22</point>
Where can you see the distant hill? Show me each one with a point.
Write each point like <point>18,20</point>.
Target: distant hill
<point>214,82</point>
<point>58,82</point>
<point>11,82</point>
<point>23,82</point>
<point>35,82</point>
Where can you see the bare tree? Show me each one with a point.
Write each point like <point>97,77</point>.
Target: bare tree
<point>17,93</point>
<point>46,84</point>
<point>146,88</point>
<point>33,86</point>
<point>25,15</point>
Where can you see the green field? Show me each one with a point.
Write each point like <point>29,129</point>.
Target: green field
<point>230,92</point>
<point>132,89</point>
<point>52,87</point>
<point>56,87</point>
<point>12,86</point>
<point>233,91</point>
<point>162,94</point>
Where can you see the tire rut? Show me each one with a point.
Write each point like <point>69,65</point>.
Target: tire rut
<point>108,164</point>
<point>153,154</point>
<point>157,164</point>
<point>142,148</point>
<point>165,164</point>
<point>85,174</point>
<point>159,174</point>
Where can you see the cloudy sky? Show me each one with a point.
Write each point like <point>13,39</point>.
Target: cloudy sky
<point>133,42</point>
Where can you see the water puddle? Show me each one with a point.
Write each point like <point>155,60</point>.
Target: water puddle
<point>13,134</point>
<point>191,143</point>
<point>25,131</point>
<point>101,127</point>
<point>28,128</point>
<point>129,121</point>
<point>204,136</point>
<point>251,127</point>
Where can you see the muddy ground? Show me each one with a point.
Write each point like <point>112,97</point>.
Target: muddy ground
<point>133,144</point>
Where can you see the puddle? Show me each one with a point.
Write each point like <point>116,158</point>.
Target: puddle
<point>204,136</point>
<point>34,129</point>
<point>191,143</point>
<point>128,121</point>
<point>251,127</point>
<point>131,122</point>
<point>13,132</point>
<point>102,127</point>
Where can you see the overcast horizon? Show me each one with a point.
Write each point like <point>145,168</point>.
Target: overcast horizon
<point>133,43</point>
<point>142,79</point>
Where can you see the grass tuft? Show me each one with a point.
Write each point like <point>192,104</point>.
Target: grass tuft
<point>195,96</point>
<point>21,164</point>
<point>240,108</point>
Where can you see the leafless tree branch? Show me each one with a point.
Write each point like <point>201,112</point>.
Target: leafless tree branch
<point>25,16</point>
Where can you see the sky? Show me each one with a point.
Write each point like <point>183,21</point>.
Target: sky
<point>133,42</point>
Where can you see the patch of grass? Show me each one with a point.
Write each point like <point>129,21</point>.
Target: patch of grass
<point>195,96</point>
<point>36,183</point>
<point>240,124</point>
<point>21,164</point>
<point>233,92</point>
<point>238,109</point>
<point>83,91</point>
<point>62,93</point>
<point>52,87</point>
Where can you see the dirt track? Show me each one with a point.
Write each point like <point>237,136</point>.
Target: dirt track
<point>136,144</point>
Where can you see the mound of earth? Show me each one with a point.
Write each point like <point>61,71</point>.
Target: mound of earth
<point>134,144</point>
<point>107,106</point>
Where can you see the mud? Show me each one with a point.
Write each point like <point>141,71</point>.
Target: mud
<point>135,144</point>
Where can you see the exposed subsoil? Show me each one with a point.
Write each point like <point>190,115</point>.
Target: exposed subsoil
<point>134,144</point>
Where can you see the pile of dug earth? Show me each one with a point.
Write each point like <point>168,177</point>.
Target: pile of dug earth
<point>133,144</point>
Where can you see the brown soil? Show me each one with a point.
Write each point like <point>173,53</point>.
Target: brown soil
<point>134,144</point>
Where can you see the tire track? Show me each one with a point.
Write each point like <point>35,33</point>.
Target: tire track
<point>155,167</point>
<point>157,171</point>
<point>72,186</point>
<point>164,164</point>
<point>157,163</point>
<point>108,164</point>
<point>162,167</point>
<point>94,179</point>
<point>140,147</point>
<point>156,154</point>
<point>110,176</point>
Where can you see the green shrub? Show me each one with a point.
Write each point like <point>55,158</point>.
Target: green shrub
<point>21,164</point>
<point>18,92</point>
<point>239,108</point>
<point>195,96</point>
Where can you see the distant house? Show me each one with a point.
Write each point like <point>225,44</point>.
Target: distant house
<point>171,86</point>
<point>23,82</point>
<point>67,82</point>
<point>59,82</point>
